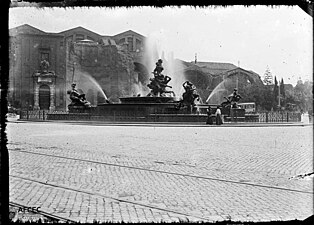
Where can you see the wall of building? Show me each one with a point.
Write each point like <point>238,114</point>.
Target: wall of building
<point>26,53</point>
<point>107,66</point>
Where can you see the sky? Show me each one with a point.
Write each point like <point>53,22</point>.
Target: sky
<point>255,38</point>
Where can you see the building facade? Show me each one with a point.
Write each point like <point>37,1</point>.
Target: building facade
<point>44,65</point>
<point>68,55</point>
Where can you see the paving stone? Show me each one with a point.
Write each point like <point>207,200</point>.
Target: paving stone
<point>214,174</point>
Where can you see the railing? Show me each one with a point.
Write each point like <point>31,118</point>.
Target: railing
<point>279,117</point>
<point>263,117</point>
<point>33,114</point>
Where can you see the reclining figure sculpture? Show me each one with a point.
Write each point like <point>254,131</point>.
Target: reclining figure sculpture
<point>77,98</point>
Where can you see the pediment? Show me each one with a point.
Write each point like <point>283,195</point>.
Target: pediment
<point>129,33</point>
<point>79,30</point>
<point>25,29</point>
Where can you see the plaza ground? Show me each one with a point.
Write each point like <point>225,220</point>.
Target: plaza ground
<point>85,172</point>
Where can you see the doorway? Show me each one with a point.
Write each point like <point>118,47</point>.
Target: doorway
<point>44,97</point>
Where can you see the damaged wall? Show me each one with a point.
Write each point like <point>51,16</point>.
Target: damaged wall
<point>109,66</point>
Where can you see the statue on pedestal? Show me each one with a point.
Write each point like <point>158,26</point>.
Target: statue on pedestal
<point>232,100</point>
<point>77,98</point>
<point>159,83</point>
<point>44,65</point>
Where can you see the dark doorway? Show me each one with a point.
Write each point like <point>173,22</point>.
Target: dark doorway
<point>44,97</point>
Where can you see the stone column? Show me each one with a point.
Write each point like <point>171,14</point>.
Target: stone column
<point>52,97</point>
<point>36,97</point>
<point>134,44</point>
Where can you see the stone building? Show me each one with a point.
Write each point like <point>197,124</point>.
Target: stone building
<point>76,55</point>
<point>101,66</point>
<point>207,76</point>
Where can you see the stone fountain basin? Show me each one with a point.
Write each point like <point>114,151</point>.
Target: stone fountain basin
<point>147,99</point>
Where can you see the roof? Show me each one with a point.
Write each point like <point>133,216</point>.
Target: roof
<point>215,67</point>
<point>28,29</point>
<point>130,32</point>
<point>79,28</point>
<point>25,29</point>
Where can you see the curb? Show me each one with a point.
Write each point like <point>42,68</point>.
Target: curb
<point>164,124</point>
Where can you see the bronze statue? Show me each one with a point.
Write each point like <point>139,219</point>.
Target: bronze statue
<point>44,65</point>
<point>159,83</point>
<point>189,97</point>
<point>159,68</point>
<point>231,101</point>
<point>77,98</point>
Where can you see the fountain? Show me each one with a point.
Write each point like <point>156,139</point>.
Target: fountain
<point>159,105</point>
<point>229,105</point>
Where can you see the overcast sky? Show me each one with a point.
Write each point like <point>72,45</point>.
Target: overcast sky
<point>256,37</point>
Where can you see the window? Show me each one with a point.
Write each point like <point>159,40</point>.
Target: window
<point>138,44</point>
<point>44,56</point>
<point>121,42</point>
<point>130,42</point>
<point>90,38</point>
<point>79,37</point>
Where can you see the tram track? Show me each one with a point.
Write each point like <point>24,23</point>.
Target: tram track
<point>167,172</point>
<point>104,197</point>
<point>49,216</point>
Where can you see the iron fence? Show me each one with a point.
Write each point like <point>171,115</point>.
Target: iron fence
<point>279,117</point>
<point>34,114</point>
<point>263,117</point>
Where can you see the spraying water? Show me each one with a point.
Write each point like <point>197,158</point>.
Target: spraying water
<point>221,90</point>
<point>156,48</point>
<point>87,82</point>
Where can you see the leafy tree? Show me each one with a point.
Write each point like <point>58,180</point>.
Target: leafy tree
<point>303,96</point>
<point>267,98</point>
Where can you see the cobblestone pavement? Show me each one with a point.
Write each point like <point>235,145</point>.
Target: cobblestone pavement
<point>115,173</point>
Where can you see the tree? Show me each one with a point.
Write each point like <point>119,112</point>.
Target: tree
<point>275,94</point>
<point>268,77</point>
<point>267,98</point>
<point>303,95</point>
<point>282,93</point>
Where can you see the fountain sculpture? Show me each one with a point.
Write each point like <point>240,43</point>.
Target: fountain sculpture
<point>232,100</point>
<point>189,97</point>
<point>79,101</point>
<point>159,105</point>
<point>230,106</point>
<point>159,83</point>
